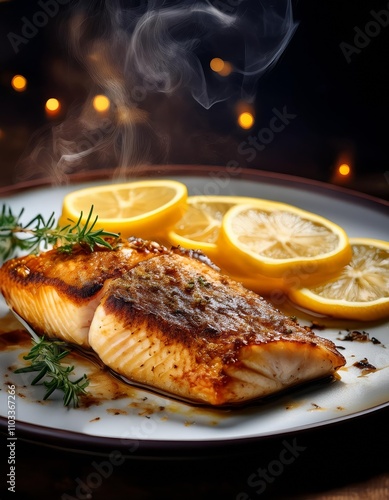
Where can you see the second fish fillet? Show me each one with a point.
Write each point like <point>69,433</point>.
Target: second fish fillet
<point>177,325</point>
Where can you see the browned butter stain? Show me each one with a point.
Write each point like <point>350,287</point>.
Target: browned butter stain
<point>14,340</point>
<point>102,387</point>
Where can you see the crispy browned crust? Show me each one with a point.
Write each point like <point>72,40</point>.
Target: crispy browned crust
<point>77,276</point>
<point>189,303</point>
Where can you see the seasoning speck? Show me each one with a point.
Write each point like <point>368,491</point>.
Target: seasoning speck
<point>357,336</point>
<point>365,366</point>
<point>116,411</point>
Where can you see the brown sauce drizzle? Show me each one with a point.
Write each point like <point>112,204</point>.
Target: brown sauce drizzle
<point>357,336</point>
<point>365,366</point>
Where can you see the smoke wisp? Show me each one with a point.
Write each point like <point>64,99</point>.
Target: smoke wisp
<point>142,55</point>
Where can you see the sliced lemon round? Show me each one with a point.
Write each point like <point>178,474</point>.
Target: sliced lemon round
<point>360,291</point>
<point>200,226</point>
<point>277,240</point>
<point>141,208</point>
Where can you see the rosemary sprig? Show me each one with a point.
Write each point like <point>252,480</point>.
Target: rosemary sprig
<point>46,357</point>
<point>39,232</point>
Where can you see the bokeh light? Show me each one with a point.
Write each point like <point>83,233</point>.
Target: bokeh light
<point>216,64</point>
<point>52,107</point>
<point>101,103</point>
<point>344,169</point>
<point>343,172</point>
<point>19,83</point>
<point>223,68</point>
<point>246,120</point>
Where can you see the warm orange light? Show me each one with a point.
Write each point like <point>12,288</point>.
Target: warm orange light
<point>343,166</point>
<point>216,64</point>
<point>223,68</point>
<point>19,83</point>
<point>53,105</point>
<point>101,103</point>
<point>226,70</point>
<point>344,169</point>
<point>246,120</point>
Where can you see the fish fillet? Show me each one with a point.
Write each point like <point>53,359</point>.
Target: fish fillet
<point>57,293</point>
<point>178,325</point>
<point>168,320</point>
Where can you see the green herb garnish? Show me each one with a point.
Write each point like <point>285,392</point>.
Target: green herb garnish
<point>40,233</point>
<point>46,357</point>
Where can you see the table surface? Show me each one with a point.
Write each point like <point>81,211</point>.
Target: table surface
<point>348,460</point>
<point>342,461</point>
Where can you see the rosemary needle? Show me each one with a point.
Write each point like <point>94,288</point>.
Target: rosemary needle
<point>46,358</point>
<point>39,232</point>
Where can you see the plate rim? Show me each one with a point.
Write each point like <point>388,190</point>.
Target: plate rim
<point>197,170</point>
<point>156,448</point>
<point>76,441</point>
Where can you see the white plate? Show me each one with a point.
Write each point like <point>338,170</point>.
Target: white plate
<point>148,421</point>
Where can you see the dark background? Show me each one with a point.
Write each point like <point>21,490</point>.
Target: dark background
<point>341,108</point>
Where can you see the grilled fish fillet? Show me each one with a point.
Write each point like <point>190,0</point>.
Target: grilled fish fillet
<point>168,320</point>
<point>57,293</point>
<point>178,325</point>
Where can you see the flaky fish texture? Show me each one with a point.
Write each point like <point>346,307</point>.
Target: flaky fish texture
<point>168,320</point>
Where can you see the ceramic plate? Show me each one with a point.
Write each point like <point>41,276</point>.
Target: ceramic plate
<point>144,420</point>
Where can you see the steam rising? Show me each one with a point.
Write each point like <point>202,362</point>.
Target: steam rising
<point>153,53</point>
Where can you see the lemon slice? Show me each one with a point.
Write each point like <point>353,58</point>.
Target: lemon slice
<point>360,291</point>
<point>280,240</point>
<point>199,228</point>
<point>141,208</point>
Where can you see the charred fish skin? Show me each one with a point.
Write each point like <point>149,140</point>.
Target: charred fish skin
<point>57,293</point>
<point>176,324</point>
